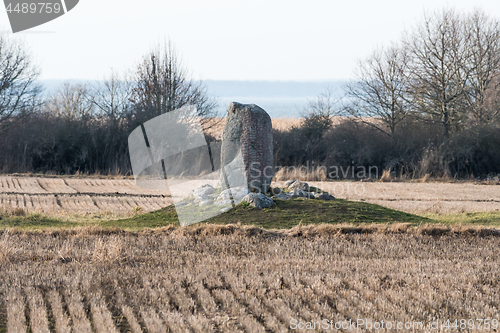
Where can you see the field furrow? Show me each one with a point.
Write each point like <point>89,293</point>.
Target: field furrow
<point>77,311</point>
<point>61,318</point>
<point>102,318</point>
<point>254,305</point>
<point>226,299</point>
<point>128,313</point>
<point>16,318</point>
<point>153,321</point>
<point>55,185</point>
<point>38,312</point>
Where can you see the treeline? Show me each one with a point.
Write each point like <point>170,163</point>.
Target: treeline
<point>85,128</point>
<point>427,104</point>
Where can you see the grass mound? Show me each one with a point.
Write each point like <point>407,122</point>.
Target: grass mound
<point>285,215</point>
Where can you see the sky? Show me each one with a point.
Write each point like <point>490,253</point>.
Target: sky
<point>278,40</point>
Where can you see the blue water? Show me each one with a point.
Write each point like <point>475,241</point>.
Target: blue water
<point>278,98</point>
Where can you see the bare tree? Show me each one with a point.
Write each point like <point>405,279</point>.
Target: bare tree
<point>326,104</point>
<point>440,48</point>
<point>483,87</point>
<point>318,114</point>
<point>381,89</point>
<point>18,89</point>
<point>112,97</point>
<point>163,85</point>
<point>70,101</point>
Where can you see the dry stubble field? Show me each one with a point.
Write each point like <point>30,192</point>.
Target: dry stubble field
<point>239,279</point>
<point>233,279</point>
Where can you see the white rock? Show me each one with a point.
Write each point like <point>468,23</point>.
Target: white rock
<point>223,202</point>
<point>325,196</point>
<point>202,198</point>
<point>283,196</point>
<point>203,191</point>
<point>300,185</point>
<point>299,193</point>
<point>258,200</point>
<point>224,195</point>
<point>206,203</point>
<point>237,193</point>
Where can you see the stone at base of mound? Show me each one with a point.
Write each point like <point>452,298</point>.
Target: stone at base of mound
<point>298,185</point>
<point>258,200</point>
<point>223,202</point>
<point>205,203</point>
<point>282,196</point>
<point>299,193</point>
<point>236,193</point>
<point>203,191</point>
<point>275,190</point>
<point>325,196</point>
<point>301,190</point>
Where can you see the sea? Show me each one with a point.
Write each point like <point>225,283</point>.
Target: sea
<point>279,98</point>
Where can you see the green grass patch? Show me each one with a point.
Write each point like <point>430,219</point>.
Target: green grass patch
<point>286,214</point>
<point>491,219</point>
<point>36,221</point>
<point>160,218</point>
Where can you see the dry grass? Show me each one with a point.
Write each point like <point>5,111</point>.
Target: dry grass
<point>216,126</point>
<point>386,176</point>
<point>419,198</point>
<point>425,178</point>
<point>286,123</point>
<point>109,250</point>
<point>240,279</point>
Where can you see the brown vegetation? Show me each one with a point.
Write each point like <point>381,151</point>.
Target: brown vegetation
<point>420,198</point>
<point>236,279</point>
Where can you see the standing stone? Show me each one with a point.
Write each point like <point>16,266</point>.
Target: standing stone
<point>248,128</point>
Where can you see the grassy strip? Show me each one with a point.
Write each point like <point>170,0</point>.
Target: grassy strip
<point>37,221</point>
<point>491,219</point>
<point>285,215</point>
